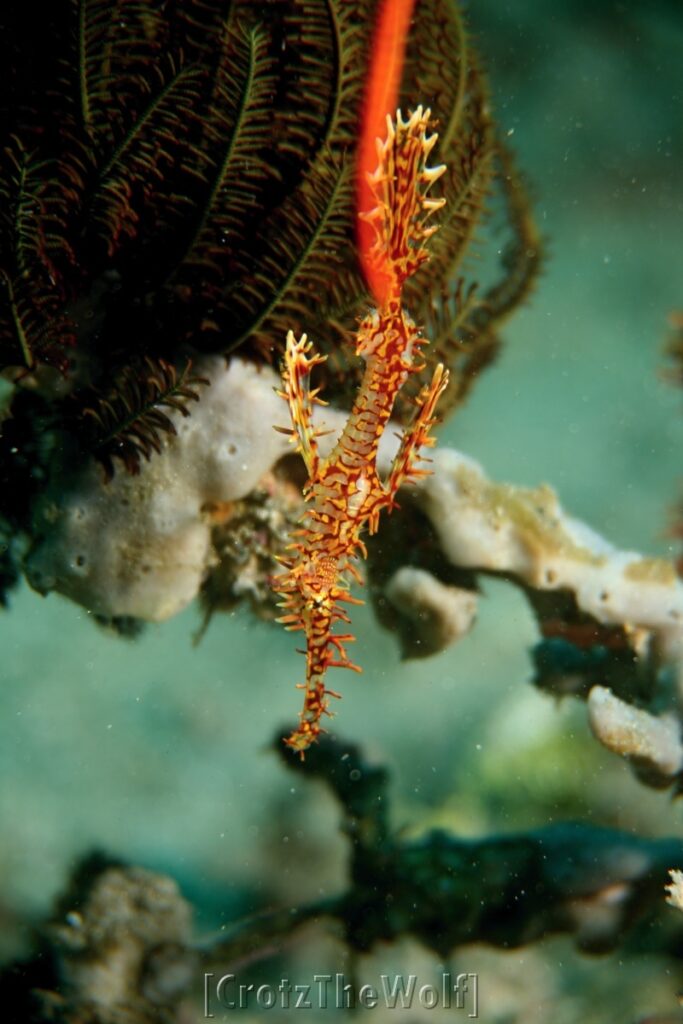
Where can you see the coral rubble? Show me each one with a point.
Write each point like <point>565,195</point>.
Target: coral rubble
<point>118,951</point>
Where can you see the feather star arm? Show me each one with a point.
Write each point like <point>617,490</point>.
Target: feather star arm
<point>345,494</point>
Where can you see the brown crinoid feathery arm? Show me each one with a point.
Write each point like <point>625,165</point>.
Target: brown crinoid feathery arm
<point>345,493</point>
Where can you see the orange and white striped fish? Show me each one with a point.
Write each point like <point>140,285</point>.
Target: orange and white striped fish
<point>345,493</point>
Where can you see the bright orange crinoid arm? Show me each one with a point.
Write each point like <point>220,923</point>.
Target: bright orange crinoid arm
<point>381,99</point>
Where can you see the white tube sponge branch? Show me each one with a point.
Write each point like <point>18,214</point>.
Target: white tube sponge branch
<point>524,532</point>
<point>652,743</point>
<point>139,546</point>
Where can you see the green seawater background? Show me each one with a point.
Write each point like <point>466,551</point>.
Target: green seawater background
<point>160,753</point>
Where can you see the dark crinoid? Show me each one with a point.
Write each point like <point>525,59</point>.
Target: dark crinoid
<point>177,176</point>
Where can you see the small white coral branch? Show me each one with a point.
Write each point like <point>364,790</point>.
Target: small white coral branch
<point>439,614</point>
<point>651,742</point>
<point>674,889</point>
<point>525,532</point>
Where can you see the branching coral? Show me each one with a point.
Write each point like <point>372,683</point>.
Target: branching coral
<point>593,883</point>
<point>607,618</point>
<point>121,947</point>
